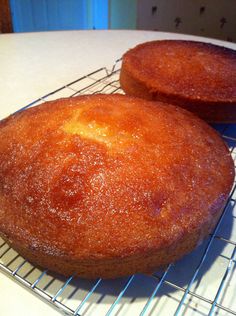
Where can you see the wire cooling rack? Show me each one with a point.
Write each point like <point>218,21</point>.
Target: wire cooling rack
<point>202,283</point>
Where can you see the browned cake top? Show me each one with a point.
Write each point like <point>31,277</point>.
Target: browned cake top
<point>108,176</point>
<point>192,69</point>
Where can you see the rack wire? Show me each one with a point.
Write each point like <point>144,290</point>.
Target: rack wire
<point>202,283</point>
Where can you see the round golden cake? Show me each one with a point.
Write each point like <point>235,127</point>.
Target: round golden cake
<point>109,185</point>
<point>199,77</point>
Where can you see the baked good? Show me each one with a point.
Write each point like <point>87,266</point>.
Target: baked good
<point>199,77</point>
<point>109,185</point>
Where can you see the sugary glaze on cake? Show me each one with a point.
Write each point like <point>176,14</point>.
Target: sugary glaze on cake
<point>109,185</point>
<point>200,77</point>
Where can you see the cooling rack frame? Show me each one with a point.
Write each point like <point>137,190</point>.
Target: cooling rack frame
<point>104,80</point>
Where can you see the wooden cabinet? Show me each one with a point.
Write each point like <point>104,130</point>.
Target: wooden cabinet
<point>5,17</point>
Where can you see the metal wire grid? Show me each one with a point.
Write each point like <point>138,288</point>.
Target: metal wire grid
<point>203,283</point>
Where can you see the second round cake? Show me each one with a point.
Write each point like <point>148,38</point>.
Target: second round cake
<point>200,77</point>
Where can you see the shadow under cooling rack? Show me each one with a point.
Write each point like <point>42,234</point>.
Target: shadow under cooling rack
<point>202,283</point>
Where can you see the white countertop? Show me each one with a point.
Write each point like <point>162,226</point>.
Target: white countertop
<point>33,64</point>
